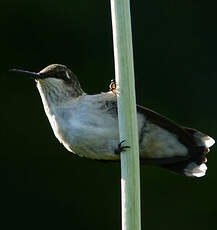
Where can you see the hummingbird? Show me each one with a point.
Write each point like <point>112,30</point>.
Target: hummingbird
<point>87,125</point>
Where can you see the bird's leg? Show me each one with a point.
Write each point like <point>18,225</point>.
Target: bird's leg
<point>112,86</point>
<point>120,148</point>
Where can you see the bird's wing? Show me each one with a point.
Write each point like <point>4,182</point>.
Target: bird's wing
<point>195,141</point>
<point>197,144</point>
<point>182,134</point>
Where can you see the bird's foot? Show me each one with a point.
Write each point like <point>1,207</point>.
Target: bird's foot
<point>121,148</point>
<point>112,86</point>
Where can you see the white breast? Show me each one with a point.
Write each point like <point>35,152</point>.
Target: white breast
<point>86,130</point>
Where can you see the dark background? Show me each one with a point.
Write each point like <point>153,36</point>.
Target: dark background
<point>44,186</point>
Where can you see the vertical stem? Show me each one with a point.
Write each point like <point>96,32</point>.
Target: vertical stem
<point>124,72</point>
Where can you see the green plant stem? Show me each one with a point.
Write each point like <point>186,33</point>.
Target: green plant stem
<point>124,72</point>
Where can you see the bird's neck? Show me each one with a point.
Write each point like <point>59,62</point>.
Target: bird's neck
<point>54,94</point>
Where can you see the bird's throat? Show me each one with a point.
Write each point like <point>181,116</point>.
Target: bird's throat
<point>54,91</point>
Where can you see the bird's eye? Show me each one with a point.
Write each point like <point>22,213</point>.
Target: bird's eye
<point>64,75</point>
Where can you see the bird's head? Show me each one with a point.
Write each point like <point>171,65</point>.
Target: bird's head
<point>55,71</point>
<point>55,77</point>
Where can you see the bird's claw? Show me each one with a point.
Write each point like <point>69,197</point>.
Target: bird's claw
<point>121,148</point>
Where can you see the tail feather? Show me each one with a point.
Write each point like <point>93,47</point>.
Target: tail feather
<point>194,166</point>
<point>201,138</point>
<point>187,168</point>
<point>195,170</point>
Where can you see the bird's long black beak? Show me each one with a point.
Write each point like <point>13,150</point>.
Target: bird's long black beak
<point>27,73</point>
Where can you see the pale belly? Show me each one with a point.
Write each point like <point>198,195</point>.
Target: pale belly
<point>91,137</point>
<point>96,136</point>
